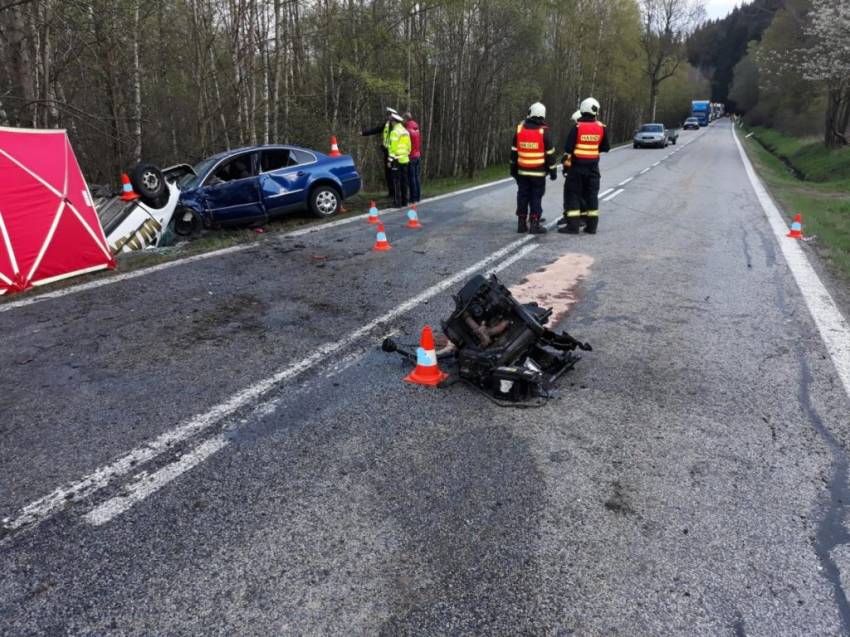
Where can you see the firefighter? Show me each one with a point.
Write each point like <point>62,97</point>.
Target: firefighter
<point>398,158</point>
<point>574,117</point>
<point>581,163</point>
<point>384,130</point>
<point>532,158</point>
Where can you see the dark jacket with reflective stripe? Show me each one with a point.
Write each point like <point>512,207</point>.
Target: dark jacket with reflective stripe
<point>572,140</point>
<point>551,165</point>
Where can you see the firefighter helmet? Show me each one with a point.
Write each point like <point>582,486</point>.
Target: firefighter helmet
<point>537,110</point>
<point>589,107</point>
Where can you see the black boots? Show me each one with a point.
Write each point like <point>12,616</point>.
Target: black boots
<point>572,226</point>
<point>592,222</point>
<point>536,228</point>
<point>521,225</point>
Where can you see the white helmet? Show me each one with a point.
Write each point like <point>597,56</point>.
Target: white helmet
<point>537,110</point>
<point>575,116</point>
<point>589,106</point>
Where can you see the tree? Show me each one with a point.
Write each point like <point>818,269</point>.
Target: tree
<point>827,60</point>
<point>666,25</point>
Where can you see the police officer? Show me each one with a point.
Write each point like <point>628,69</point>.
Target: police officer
<point>398,157</point>
<point>384,130</point>
<point>532,158</point>
<point>581,162</point>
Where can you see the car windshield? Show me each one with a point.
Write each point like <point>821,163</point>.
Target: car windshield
<point>189,180</point>
<point>652,128</point>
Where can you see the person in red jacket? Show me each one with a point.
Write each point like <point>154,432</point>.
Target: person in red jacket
<point>414,168</point>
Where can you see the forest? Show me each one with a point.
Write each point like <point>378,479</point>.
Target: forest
<point>172,81</point>
<point>784,64</point>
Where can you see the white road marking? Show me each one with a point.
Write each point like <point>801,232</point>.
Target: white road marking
<point>50,504</point>
<point>605,192</point>
<point>148,484</point>
<point>655,164</point>
<point>644,171</point>
<point>91,285</point>
<point>625,181</point>
<point>833,327</point>
<point>613,194</point>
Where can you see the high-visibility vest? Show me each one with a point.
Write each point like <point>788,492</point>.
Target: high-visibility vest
<point>588,138</point>
<point>531,150</point>
<point>400,144</point>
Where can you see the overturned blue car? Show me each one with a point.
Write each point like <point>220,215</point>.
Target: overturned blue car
<point>251,185</point>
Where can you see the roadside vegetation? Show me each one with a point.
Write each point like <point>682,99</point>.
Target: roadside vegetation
<point>806,177</point>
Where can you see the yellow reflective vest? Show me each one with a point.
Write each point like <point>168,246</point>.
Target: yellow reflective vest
<point>399,144</point>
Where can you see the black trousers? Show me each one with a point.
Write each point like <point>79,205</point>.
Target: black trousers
<point>529,196</point>
<point>388,173</point>
<point>581,195</point>
<point>399,181</point>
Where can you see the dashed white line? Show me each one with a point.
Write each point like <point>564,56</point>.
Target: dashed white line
<point>833,327</point>
<point>613,194</point>
<point>644,171</point>
<point>48,505</point>
<point>625,181</point>
<point>604,192</point>
<point>655,164</point>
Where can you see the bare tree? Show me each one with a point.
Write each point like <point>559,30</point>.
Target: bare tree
<point>666,25</point>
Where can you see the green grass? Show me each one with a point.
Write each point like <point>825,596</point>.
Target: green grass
<point>223,238</point>
<point>824,204</point>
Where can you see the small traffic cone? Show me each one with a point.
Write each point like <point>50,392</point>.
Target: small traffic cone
<point>796,231</point>
<point>426,372</point>
<point>127,192</point>
<point>373,214</point>
<point>412,218</point>
<point>334,148</point>
<point>381,242</point>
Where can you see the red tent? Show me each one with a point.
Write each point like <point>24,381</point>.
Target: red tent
<point>49,228</point>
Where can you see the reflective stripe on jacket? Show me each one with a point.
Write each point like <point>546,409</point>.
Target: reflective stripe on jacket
<point>530,152</point>
<point>399,144</point>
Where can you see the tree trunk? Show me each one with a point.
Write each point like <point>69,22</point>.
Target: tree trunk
<point>137,86</point>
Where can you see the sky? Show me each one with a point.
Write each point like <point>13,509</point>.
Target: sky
<point>719,8</point>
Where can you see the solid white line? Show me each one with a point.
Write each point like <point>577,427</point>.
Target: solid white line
<point>644,171</point>
<point>613,194</point>
<point>833,327</point>
<point>148,484</point>
<point>46,506</point>
<point>625,181</point>
<point>604,192</point>
<point>91,285</point>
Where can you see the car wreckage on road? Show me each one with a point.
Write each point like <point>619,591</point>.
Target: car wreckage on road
<point>238,187</point>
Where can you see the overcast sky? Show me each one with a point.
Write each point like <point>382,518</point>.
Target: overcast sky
<point>719,8</point>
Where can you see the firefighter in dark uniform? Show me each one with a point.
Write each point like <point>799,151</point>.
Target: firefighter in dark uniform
<point>532,158</point>
<point>581,162</point>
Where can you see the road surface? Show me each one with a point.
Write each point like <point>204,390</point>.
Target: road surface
<point>220,447</point>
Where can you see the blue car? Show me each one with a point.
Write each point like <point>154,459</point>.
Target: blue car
<point>251,185</point>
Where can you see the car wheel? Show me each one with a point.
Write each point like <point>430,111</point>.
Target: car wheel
<point>324,201</point>
<point>674,141</point>
<point>635,146</point>
<point>149,184</point>
<point>186,222</point>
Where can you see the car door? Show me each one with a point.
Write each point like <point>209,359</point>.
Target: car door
<point>284,177</point>
<point>231,192</point>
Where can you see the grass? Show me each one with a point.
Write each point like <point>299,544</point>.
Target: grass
<point>822,197</point>
<point>223,238</point>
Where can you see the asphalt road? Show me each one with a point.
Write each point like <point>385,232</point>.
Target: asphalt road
<point>221,448</point>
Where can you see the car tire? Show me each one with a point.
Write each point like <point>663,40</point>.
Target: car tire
<point>325,201</point>
<point>635,146</point>
<point>186,222</point>
<point>674,142</point>
<point>149,184</point>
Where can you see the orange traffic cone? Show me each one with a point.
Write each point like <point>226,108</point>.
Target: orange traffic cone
<point>334,148</point>
<point>127,192</point>
<point>796,231</point>
<point>412,218</point>
<point>426,372</point>
<point>381,242</point>
<point>373,214</point>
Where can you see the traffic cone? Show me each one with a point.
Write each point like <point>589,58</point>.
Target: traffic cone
<point>373,214</point>
<point>796,231</point>
<point>426,372</point>
<point>127,192</point>
<point>381,242</point>
<point>412,218</point>
<point>334,148</point>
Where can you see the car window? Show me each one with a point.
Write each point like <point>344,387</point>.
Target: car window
<point>275,159</point>
<point>239,167</point>
<point>301,157</point>
<point>652,128</point>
